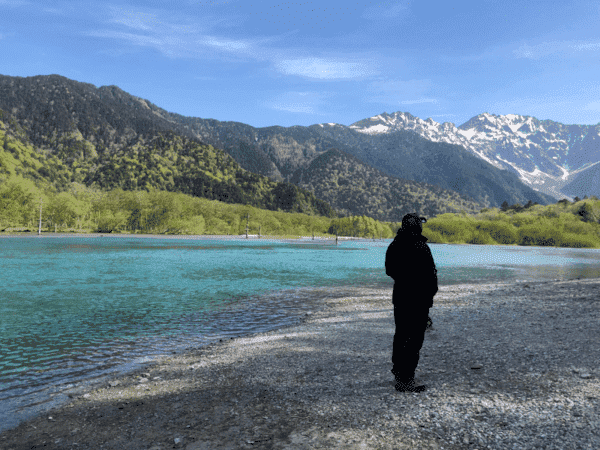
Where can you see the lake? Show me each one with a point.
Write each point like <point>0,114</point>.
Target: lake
<point>76,309</point>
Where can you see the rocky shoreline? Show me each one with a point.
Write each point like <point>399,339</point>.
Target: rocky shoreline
<point>507,365</point>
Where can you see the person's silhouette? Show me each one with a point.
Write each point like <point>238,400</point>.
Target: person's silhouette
<point>409,262</point>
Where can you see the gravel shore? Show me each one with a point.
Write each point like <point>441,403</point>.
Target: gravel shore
<point>509,366</point>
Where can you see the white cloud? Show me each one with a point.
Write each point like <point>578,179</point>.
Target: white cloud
<point>182,44</point>
<point>225,44</point>
<point>544,49</point>
<point>177,37</point>
<point>298,102</point>
<point>136,39</point>
<point>294,108</point>
<point>593,106</point>
<point>324,68</point>
<point>136,20</point>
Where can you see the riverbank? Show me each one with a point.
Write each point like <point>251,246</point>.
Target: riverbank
<point>506,364</point>
<point>188,236</point>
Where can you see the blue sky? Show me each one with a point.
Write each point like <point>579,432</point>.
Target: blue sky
<point>299,63</point>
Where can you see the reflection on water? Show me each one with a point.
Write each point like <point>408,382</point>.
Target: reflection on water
<point>77,308</point>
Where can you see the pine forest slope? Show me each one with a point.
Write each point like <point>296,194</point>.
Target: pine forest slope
<point>344,181</point>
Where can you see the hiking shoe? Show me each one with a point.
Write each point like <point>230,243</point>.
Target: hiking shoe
<point>409,386</point>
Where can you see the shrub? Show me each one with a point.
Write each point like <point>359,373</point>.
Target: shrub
<point>522,219</point>
<point>452,228</point>
<point>589,212</point>
<point>500,232</point>
<point>193,225</point>
<point>578,227</point>
<point>540,234</point>
<point>572,240</point>
<point>482,238</point>
<point>433,237</point>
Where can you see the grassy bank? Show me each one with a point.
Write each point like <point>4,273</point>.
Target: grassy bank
<point>564,224</point>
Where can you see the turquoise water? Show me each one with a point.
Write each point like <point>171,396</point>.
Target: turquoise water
<point>74,309</point>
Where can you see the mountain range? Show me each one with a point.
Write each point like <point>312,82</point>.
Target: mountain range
<point>557,159</point>
<point>279,152</point>
<point>59,131</point>
<point>383,166</point>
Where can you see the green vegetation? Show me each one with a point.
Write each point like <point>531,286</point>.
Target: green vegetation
<point>362,226</point>
<point>563,224</point>
<point>84,209</point>
<point>164,161</point>
<point>358,189</point>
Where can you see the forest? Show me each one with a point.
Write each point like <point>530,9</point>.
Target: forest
<point>84,210</point>
<point>88,210</point>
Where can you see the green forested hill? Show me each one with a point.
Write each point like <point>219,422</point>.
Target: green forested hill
<point>164,161</point>
<point>351,185</point>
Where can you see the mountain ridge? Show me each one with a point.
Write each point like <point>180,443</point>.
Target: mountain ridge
<point>291,148</point>
<point>546,155</point>
<point>77,120</point>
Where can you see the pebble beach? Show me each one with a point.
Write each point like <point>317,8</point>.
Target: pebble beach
<point>507,365</point>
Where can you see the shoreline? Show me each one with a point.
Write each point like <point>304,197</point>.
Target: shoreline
<point>325,382</point>
<point>255,237</point>
<point>192,236</point>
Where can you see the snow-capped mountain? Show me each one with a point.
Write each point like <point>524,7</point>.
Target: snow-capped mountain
<point>546,155</point>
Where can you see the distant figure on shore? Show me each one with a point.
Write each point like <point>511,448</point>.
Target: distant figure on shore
<point>409,262</point>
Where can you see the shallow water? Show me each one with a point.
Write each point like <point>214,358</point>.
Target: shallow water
<point>74,309</point>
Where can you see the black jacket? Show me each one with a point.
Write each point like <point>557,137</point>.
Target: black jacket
<point>409,262</point>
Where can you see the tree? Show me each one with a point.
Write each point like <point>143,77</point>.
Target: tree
<point>588,212</point>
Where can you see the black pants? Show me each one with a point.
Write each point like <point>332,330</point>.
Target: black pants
<point>408,340</point>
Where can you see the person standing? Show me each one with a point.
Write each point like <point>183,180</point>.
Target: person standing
<point>409,262</point>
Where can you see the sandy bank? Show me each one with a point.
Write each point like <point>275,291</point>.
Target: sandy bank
<point>507,365</point>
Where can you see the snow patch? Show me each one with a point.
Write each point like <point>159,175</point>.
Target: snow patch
<point>374,129</point>
<point>468,133</point>
<point>565,173</point>
<point>515,127</point>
